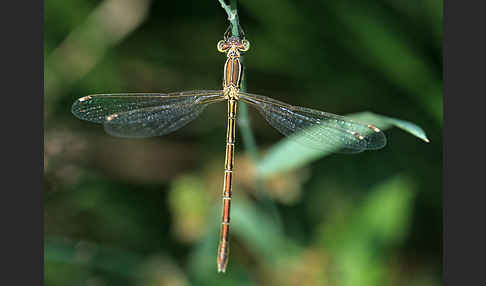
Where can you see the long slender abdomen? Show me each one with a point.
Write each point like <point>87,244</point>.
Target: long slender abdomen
<point>223,249</point>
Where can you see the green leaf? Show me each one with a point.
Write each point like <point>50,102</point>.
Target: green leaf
<point>385,122</point>
<point>288,154</point>
<point>376,225</point>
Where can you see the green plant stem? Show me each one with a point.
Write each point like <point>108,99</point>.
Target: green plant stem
<point>246,133</point>
<point>243,118</point>
<point>232,12</point>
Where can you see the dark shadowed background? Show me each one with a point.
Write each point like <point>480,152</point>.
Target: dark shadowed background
<point>147,211</point>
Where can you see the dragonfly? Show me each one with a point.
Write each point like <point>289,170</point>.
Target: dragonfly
<point>140,115</point>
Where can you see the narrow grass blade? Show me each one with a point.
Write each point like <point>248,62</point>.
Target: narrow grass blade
<point>288,154</point>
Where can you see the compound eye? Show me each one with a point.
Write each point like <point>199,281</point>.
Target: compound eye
<point>246,45</point>
<point>221,46</point>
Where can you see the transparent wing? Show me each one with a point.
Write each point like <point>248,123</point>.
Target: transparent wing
<point>138,115</point>
<point>317,129</point>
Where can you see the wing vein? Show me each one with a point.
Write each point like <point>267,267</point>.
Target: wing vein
<point>317,129</point>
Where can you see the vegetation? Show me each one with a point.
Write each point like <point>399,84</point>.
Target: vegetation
<point>147,212</point>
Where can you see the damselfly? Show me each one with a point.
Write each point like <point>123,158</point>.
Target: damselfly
<point>137,115</point>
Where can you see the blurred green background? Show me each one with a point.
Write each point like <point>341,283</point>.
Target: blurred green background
<point>147,212</point>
